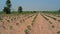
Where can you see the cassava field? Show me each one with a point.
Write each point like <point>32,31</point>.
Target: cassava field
<point>30,23</point>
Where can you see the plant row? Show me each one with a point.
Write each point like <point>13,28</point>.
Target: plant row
<point>51,17</point>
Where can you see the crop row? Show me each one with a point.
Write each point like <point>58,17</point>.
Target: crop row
<point>29,26</point>
<point>51,17</point>
<point>45,17</point>
<point>34,19</point>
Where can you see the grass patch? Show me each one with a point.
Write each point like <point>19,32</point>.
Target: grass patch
<point>53,26</point>
<point>58,32</point>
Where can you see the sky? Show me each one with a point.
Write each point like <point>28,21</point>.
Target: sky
<point>32,5</point>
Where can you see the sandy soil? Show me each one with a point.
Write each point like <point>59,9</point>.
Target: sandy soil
<point>43,26</point>
<point>16,24</point>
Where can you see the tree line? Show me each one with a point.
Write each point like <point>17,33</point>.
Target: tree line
<point>7,8</point>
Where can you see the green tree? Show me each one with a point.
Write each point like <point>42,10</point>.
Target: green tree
<point>7,8</point>
<point>59,10</point>
<point>20,9</point>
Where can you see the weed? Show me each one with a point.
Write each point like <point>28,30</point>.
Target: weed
<point>58,32</point>
<point>29,27</point>
<point>17,23</point>
<point>26,31</point>
<point>8,21</point>
<point>53,26</point>
<point>11,19</point>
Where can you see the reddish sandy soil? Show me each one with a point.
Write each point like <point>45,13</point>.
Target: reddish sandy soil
<point>43,26</point>
<point>17,24</point>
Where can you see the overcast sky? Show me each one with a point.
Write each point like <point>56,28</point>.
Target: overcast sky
<point>33,4</point>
